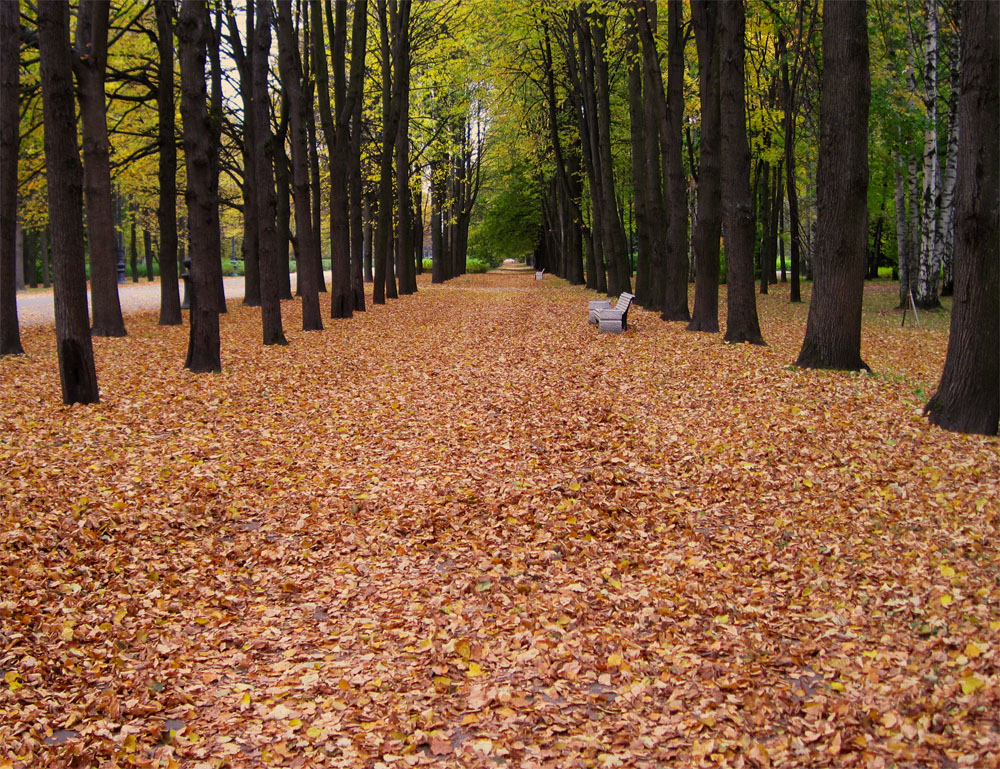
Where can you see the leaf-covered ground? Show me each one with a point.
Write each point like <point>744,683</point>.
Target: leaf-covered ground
<point>464,529</point>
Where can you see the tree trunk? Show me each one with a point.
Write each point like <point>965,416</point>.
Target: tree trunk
<point>929,269</point>
<point>334,119</point>
<point>265,156</point>
<point>369,239</point>
<point>314,180</point>
<point>945,230</point>
<point>283,209</point>
<point>10,70</point>
<point>74,345</point>
<point>359,37</point>
<point>193,35</point>
<point>290,67</point>
<point>401,78</point>
<point>737,208</point>
<point>833,330</point>
<point>641,172</point>
<point>251,220</point>
<point>89,64</point>
<point>134,253</point>
<point>385,278</point>
<point>619,271</point>
<point>707,230</point>
<point>147,253</point>
<point>968,397</point>
<point>902,236</point>
<point>794,234</point>
<point>215,120</point>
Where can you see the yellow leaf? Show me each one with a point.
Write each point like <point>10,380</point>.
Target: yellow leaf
<point>474,670</point>
<point>995,626</point>
<point>442,683</point>
<point>837,686</point>
<point>615,660</point>
<point>130,744</point>
<point>947,600</point>
<point>119,616</point>
<point>295,723</point>
<point>947,571</point>
<point>972,684</point>
<point>245,699</point>
<point>313,732</point>
<point>971,650</point>
<point>67,632</point>
<point>463,648</point>
<point>574,487</point>
<point>722,619</point>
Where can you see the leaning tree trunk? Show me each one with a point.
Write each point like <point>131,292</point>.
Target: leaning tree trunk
<point>737,207</point>
<point>193,33</point>
<point>89,65</point>
<point>833,330</point>
<point>929,270</point>
<point>267,235</point>
<point>10,43</point>
<point>708,228</point>
<point>74,345</point>
<point>968,398</point>
<point>291,79</point>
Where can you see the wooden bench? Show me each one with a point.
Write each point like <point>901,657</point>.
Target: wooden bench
<point>539,274</point>
<point>611,318</point>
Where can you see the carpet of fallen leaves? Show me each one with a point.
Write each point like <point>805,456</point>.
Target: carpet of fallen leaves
<point>465,529</point>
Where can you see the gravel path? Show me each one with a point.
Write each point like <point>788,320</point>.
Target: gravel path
<point>35,308</point>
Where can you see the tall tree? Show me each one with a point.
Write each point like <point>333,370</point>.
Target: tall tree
<point>968,397</point>
<point>89,64</point>
<point>833,330</point>
<point>290,66</point>
<point>675,305</point>
<point>359,36</point>
<point>194,31</point>
<point>737,206</point>
<point>708,226</point>
<point>928,280</point>
<point>267,235</point>
<point>10,45</point>
<point>77,372</point>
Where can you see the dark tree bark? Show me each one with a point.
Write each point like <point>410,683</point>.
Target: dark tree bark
<point>10,45</point>
<point>147,253</point>
<point>833,330</point>
<point>215,118</point>
<point>77,373</point>
<point>369,239</point>
<point>134,253</point>
<point>393,17</point>
<point>644,176</point>
<point>359,37</point>
<point>737,206</point>
<point>89,64</point>
<point>46,281</point>
<point>194,32</point>
<point>314,183</point>
<point>404,243</point>
<point>619,272</point>
<point>675,306</point>
<point>283,208</point>
<point>267,236</point>
<point>244,65</point>
<point>291,80</point>
<point>707,231</point>
<point>968,397</point>
<point>334,120</point>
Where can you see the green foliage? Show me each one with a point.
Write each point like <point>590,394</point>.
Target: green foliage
<point>427,264</point>
<point>476,266</point>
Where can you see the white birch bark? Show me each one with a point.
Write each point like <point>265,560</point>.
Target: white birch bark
<point>945,243</point>
<point>927,281</point>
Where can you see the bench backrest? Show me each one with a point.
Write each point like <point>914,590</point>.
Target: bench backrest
<point>624,301</point>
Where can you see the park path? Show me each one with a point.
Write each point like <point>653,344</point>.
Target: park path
<point>35,308</point>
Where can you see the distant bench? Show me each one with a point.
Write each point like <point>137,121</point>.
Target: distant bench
<point>608,318</point>
<point>539,274</point>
